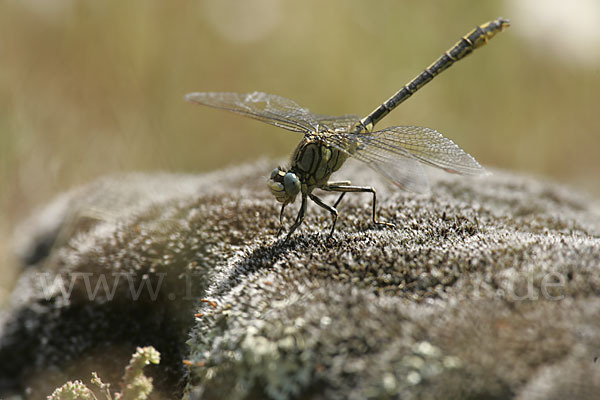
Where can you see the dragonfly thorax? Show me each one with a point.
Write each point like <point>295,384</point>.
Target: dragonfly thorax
<point>284,185</point>
<point>314,160</point>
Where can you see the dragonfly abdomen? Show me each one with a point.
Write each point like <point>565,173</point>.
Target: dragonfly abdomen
<point>471,41</point>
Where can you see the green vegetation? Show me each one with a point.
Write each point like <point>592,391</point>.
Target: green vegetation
<point>135,385</point>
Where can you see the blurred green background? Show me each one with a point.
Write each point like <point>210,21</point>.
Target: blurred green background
<point>89,88</point>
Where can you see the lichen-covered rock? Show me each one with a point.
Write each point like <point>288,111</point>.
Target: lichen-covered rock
<point>487,288</point>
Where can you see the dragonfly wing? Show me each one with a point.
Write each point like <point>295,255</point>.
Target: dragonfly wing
<point>400,167</point>
<point>405,172</point>
<point>395,152</point>
<point>269,108</point>
<point>341,124</point>
<point>424,144</point>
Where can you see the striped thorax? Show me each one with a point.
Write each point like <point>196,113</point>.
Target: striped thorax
<point>314,161</point>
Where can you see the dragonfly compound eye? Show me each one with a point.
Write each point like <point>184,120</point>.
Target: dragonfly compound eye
<point>291,184</point>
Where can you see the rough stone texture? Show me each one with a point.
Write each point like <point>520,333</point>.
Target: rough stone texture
<point>487,289</point>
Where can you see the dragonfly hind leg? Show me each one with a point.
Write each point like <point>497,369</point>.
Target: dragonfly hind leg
<point>345,187</point>
<point>340,183</point>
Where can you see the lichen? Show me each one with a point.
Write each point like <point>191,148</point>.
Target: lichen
<point>135,385</point>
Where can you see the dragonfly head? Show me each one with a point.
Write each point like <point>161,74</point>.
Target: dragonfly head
<point>284,185</point>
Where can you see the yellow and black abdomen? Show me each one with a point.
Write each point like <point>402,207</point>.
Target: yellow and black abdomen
<point>314,161</point>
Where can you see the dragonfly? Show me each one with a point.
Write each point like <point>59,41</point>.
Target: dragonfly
<point>396,152</point>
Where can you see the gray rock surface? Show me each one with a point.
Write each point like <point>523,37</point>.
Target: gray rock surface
<point>488,288</point>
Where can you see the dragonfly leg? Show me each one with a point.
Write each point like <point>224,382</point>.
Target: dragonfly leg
<point>340,183</point>
<point>334,187</point>
<point>339,199</point>
<point>332,210</point>
<point>281,220</point>
<point>299,218</point>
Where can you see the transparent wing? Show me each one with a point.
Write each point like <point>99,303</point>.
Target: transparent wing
<point>425,144</point>
<point>403,171</point>
<point>394,153</point>
<point>269,108</point>
<point>343,123</point>
<point>400,167</point>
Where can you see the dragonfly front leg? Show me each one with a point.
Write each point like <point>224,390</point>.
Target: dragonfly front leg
<point>336,187</point>
<point>281,220</point>
<point>332,210</point>
<point>299,218</point>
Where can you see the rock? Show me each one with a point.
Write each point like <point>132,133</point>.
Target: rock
<point>487,288</point>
